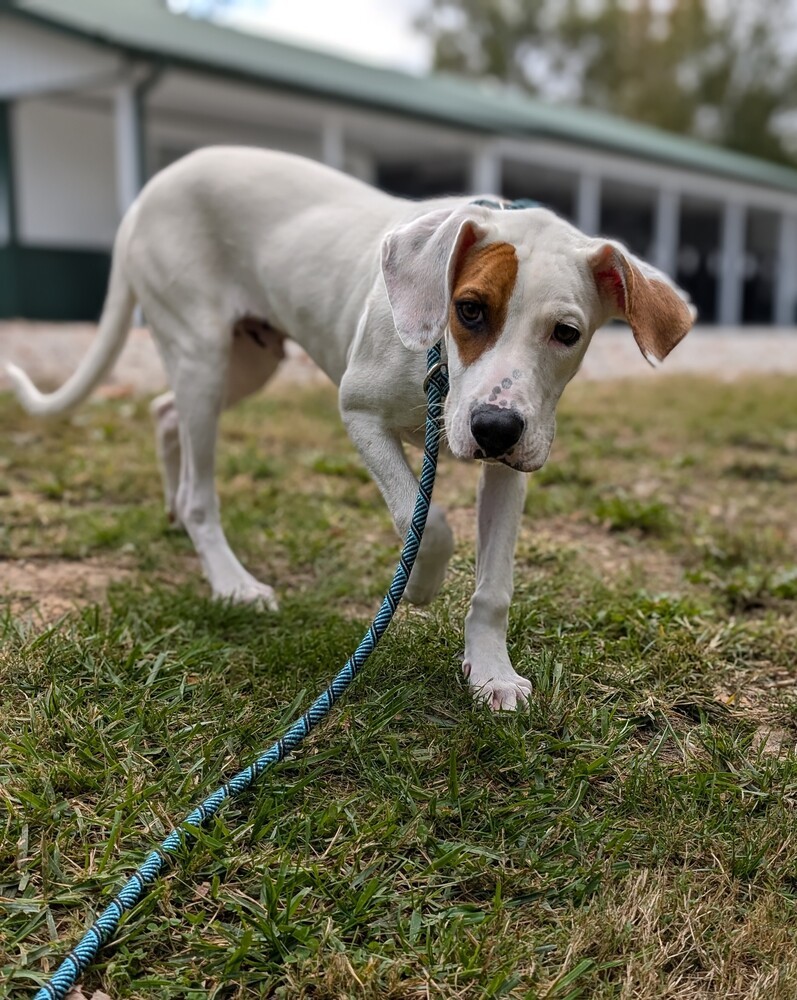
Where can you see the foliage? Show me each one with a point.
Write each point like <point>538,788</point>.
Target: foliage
<point>722,71</point>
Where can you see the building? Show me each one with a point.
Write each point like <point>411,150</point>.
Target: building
<point>97,95</point>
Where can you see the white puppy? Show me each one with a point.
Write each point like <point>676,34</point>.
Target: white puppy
<point>231,250</point>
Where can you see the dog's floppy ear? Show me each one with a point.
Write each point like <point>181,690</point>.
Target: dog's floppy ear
<point>659,314</point>
<point>418,265</point>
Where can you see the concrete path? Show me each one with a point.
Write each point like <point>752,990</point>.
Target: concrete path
<point>50,351</point>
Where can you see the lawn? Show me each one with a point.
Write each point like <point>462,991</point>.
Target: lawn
<point>632,835</point>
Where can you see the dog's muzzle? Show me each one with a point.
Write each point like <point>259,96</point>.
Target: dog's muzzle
<point>495,430</point>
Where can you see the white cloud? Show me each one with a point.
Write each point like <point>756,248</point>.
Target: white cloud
<point>366,30</point>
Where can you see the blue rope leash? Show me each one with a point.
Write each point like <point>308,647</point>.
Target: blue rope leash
<point>134,890</point>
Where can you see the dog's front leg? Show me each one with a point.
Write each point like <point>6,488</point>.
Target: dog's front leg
<point>487,665</point>
<point>383,454</point>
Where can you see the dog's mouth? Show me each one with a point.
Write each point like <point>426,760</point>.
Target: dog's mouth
<point>508,461</point>
<point>511,459</point>
<point>522,448</point>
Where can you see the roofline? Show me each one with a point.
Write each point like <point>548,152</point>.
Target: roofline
<point>181,62</point>
<point>786,182</point>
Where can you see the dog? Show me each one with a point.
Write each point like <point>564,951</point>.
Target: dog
<point>231,250</point>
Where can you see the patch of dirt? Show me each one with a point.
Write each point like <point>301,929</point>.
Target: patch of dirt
<point>462,521</point>
<point>774,741</point>
<point>76,993</point>
<point>753,698</point>
<point>355,611</point>
<point>609,554</point>
<point>46,589</point>
<point>49,351</point>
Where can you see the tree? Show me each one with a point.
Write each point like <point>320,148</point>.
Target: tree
<point>717,70</point>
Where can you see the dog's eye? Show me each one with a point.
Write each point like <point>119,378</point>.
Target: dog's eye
<point>471,314</point>
<point>565,334</point>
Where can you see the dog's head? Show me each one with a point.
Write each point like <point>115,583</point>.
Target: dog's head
<point>518,295</point>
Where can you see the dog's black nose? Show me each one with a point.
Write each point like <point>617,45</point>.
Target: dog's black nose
<point>495,430</point>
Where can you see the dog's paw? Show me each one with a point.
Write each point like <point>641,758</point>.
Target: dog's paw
<point>431,563</point>
<point>501,689</point>
<point>249,592</point>
<point>422,588</point>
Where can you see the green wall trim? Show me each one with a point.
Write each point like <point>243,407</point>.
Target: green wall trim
<point>41,282</point>
<point>50,284</point>
<point>8,283</point>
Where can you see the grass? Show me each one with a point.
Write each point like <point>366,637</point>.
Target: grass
<point>632,835</point>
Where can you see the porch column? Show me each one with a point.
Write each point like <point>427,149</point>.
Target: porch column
<point>666,231</point>
<point>485,171</point>
<point>786,280</point>
<point>9,288</point>
<point>7,200</point>
<point>588,203</point>
<point>333,144</point>
<point>731,278</point>
<point>129,130</point>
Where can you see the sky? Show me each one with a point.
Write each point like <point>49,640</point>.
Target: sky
<point>376,31</point>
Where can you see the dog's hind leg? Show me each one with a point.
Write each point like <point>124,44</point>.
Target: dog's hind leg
<point>256,352</point>
<point>167,442</point>
<point>200,380</point>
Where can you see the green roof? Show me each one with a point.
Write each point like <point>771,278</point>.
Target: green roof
<point>146,28</point>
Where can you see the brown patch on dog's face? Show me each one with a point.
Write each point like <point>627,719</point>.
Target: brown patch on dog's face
<point>483,285</point>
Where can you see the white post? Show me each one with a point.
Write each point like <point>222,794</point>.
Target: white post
<point>333,145</point>
<point>129,145</point>
<point>7,202</point>
<point>588,204</point>
<point>786,281</point>
<point>485,171</point>
<point>731,284</point>
<point>667,226</point>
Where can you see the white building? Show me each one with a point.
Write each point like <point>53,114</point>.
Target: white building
<point>97,95</point>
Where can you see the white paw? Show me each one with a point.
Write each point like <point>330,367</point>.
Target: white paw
<point>431,563</point>
<point>249,592</point>
<point>425,582</point>
<point>500,688</point>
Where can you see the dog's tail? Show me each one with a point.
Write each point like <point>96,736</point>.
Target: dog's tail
<point>105,349</point>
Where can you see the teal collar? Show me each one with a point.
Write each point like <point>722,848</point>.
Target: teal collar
<point>503,204</point>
